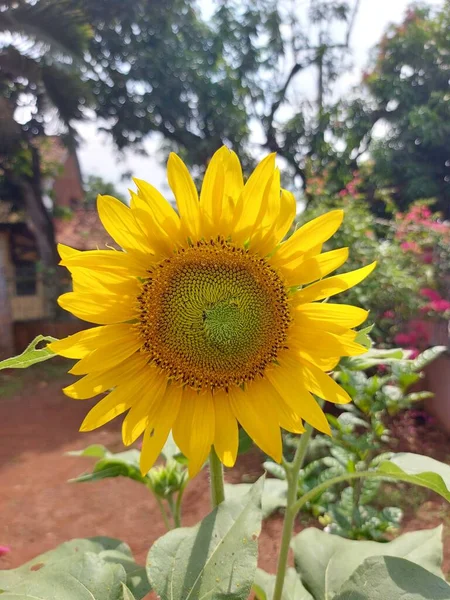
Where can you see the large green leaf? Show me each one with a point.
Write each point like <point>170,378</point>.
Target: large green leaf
<point>324,561</point>
<point>31,355</point>
<point>293,589</point>
<point>89,578</point>
<point>420,470</point>
<point>215,559</point>
<point>386,577</point>
<point>100,560</point>
<point>274,494</point>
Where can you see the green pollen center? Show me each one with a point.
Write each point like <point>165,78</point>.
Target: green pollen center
<point>213,315</point>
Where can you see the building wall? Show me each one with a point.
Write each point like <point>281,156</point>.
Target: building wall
<point>67,189</point>
<point>20,308</point>
<point>6,324</point>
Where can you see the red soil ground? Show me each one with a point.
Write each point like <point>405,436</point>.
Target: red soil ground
<point>39,509</point>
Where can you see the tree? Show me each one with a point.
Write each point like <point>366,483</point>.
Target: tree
<point>94,185</point>
<point>164,67</point>
<point>40,67</point>
<point>157,67</point>
<point>408,85</point>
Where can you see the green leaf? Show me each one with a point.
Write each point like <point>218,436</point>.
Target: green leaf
<point>363,337</point>
<point>420,470</point>
<point>89,578</point>
<point>385,577</point>
<point>127,595</point>
<point>215,559</point>
<point>122,464</point>
<point>324,561</point>
<point>374,357</point>
<point>95,450</point>
<point>274,494</point>
<point>424,359</point>
<point>61,562</point>
<point>30,355</point>
<point>293,589</point>
<point>275,469</point>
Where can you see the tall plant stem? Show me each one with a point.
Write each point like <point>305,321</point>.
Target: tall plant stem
<point>216,479</point>
<point>292,471</point>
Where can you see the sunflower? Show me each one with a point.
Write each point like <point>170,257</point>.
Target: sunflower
<point>207,319</point>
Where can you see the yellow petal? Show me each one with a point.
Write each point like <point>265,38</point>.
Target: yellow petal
<point>193,430</point>
<point>226,437</point>
<point>66,251</point>
<point>332,285</point>
<point>185,194</point>
<point>325,363</point>
<point>287,418</point>
<point>102,309</point>
<point>288,208</point>
<point>311,234</point>
<point>262,236</point>
<point>97,383</point>
<point>234,181</point>
<point>254,200</point>
<point>326,315</point>
<point>122,263</point>
<point>286,378</point>
<point>86,280</point>
<point>301,272</point>
<point>324,342</point>
<point>160,243</point>
<point>82,343</point>
<point>161,421</point>
<point>158,209</point>
<point>117,345</point>
<point>140,414</point>
<point>258,417</point>
<point>119,222</point>
<point>323,385</point>
<point>212,193</point>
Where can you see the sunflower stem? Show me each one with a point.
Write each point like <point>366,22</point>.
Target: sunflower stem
<point>163,513</point>
<point>292,471</point>
<point>216,479</point>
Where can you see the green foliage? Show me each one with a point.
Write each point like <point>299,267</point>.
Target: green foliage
<point>357,444</point>
<point>409,85</point>
<point>331,568</point>
<point>216,558</point>
<point>167,481</point>
<point>95,185</point>
<point>331,560</point>
<point>82,569</point>
<point>273,497</point>
<point>392,577</point>
<point>31,355</point>
<point>395,284</point>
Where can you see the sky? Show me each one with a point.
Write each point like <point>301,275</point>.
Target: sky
<point>98,156</point>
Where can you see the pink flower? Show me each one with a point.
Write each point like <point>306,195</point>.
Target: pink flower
<point>430,294</point>
<point>440,305</point>
<point>4,550</point>
<point>389,314</point>
<point>403,339</point>
<point>413,246</point>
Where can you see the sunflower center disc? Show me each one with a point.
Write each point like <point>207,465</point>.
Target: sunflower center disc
<point>213,315</point>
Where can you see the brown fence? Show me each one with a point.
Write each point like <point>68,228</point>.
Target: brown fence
<point>25,332</point>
